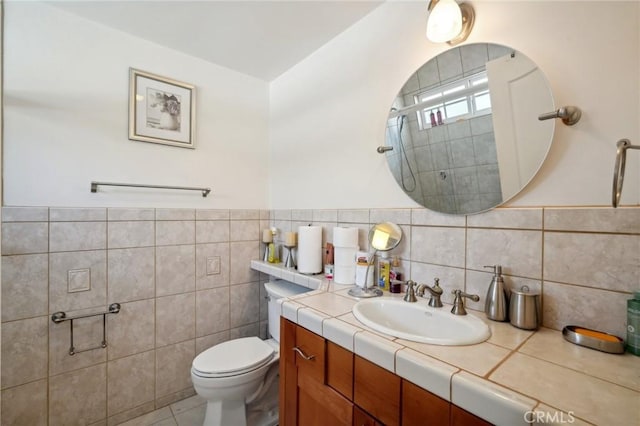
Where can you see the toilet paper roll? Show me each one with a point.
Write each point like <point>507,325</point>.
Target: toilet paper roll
<point>344,274</point>
<point>309,249</point>
<point>345,256</point>
<point>345,237</point>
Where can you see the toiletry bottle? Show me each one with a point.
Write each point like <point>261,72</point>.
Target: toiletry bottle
<point>395,276</point>
<point>273,253</point>
<point>496,302</point>
<point>328,263</point>
<point>432,117</point>
<point>633,324</point>
<point>439,114</point>
<point>384,267</point>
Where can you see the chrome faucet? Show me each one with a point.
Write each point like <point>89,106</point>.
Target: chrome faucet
<point>458,302</point>
<point>435,292</point>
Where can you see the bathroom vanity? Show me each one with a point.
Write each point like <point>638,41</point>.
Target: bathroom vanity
<point>322,383</point>
<point>513,378</point>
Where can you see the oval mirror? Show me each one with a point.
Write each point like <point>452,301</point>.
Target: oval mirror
<point>464,128</point>
<point>385,236</point>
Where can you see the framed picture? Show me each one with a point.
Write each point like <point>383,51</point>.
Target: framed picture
<point>161,110</point>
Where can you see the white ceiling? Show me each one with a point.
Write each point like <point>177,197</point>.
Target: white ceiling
<point>259,38</point>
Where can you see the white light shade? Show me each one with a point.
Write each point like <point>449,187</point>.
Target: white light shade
<point>444,22</point>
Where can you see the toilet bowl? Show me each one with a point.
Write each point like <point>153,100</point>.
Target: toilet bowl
<point>239,378</point>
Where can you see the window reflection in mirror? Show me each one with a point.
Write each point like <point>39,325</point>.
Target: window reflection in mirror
<point>464,128</point>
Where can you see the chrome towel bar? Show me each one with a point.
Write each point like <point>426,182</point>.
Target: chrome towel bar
<point>94,187</point>
<point>60,316</point>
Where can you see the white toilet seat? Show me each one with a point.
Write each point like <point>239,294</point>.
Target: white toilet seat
<point>233,358</point>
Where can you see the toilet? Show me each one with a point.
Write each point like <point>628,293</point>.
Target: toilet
<point>239,378</point>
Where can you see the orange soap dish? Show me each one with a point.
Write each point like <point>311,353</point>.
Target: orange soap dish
<point>593,339</point>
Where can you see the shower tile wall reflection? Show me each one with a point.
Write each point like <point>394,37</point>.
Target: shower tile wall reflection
<point>151,261</point>
<point>453,165</point>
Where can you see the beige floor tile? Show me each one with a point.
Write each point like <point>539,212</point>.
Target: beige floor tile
<point>192,417</point>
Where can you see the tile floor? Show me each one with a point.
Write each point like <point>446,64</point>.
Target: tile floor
<point>188,412</point>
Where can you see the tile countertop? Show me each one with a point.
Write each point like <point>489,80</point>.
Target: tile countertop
<point>515,377</point>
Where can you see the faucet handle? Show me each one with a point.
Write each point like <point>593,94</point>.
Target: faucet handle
<point>458,303</point>
<point>436,286</point>
<point>411,293</point>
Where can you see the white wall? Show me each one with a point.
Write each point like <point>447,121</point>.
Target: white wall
<point>328,112</point>
<point>66,117</point>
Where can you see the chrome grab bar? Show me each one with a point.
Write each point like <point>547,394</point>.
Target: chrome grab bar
<point>94,187</point>
<point>60,316</point>
<point>618,172</point>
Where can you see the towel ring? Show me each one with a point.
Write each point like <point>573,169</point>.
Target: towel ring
<point>618,172</point>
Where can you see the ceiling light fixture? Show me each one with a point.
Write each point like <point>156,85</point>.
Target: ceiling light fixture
<point>449,21</point>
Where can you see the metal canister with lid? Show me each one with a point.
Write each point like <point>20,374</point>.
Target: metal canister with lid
<point>524,309</point>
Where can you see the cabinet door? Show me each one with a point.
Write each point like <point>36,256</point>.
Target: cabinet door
<point>422,408</point>
<point>377,391</point>
<point>310,354</point>
<point>460,417</point>
<point>288,374</point>
<point>340,369</point>
<point>319,405</point>
<point>360,418</point>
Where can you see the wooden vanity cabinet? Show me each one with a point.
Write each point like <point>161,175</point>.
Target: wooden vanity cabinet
<point>377,391</point>
<point>361,418</point>
<point>305,397</point>
<point>421,407</point>
<point>324,384</point>
<point>460,417</point>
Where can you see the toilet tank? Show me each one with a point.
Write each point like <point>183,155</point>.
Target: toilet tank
<point>277,290</point>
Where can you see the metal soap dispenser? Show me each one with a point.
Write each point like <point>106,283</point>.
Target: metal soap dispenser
<point>496,303</point>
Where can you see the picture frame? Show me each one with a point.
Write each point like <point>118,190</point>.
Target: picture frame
<point>161,110</point>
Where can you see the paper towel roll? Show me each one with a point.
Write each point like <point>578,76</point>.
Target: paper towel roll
<point>345,256</point>
<point>344,274</point>
<point>310,249</point>
<point>345,237</point>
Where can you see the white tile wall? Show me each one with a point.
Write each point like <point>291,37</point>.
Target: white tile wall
<point>152,262</point>
<point>585,261</point>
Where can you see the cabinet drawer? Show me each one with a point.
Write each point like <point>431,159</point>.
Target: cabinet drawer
<point>310,354</point>
<point>340,369</point>
<point>377,391</point>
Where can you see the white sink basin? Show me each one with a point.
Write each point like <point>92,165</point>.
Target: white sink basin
<point>419,322</point>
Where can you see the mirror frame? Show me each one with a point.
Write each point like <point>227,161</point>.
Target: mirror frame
<point>386,233</point>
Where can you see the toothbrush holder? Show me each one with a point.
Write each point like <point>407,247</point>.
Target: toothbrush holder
<point>265,258</point>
